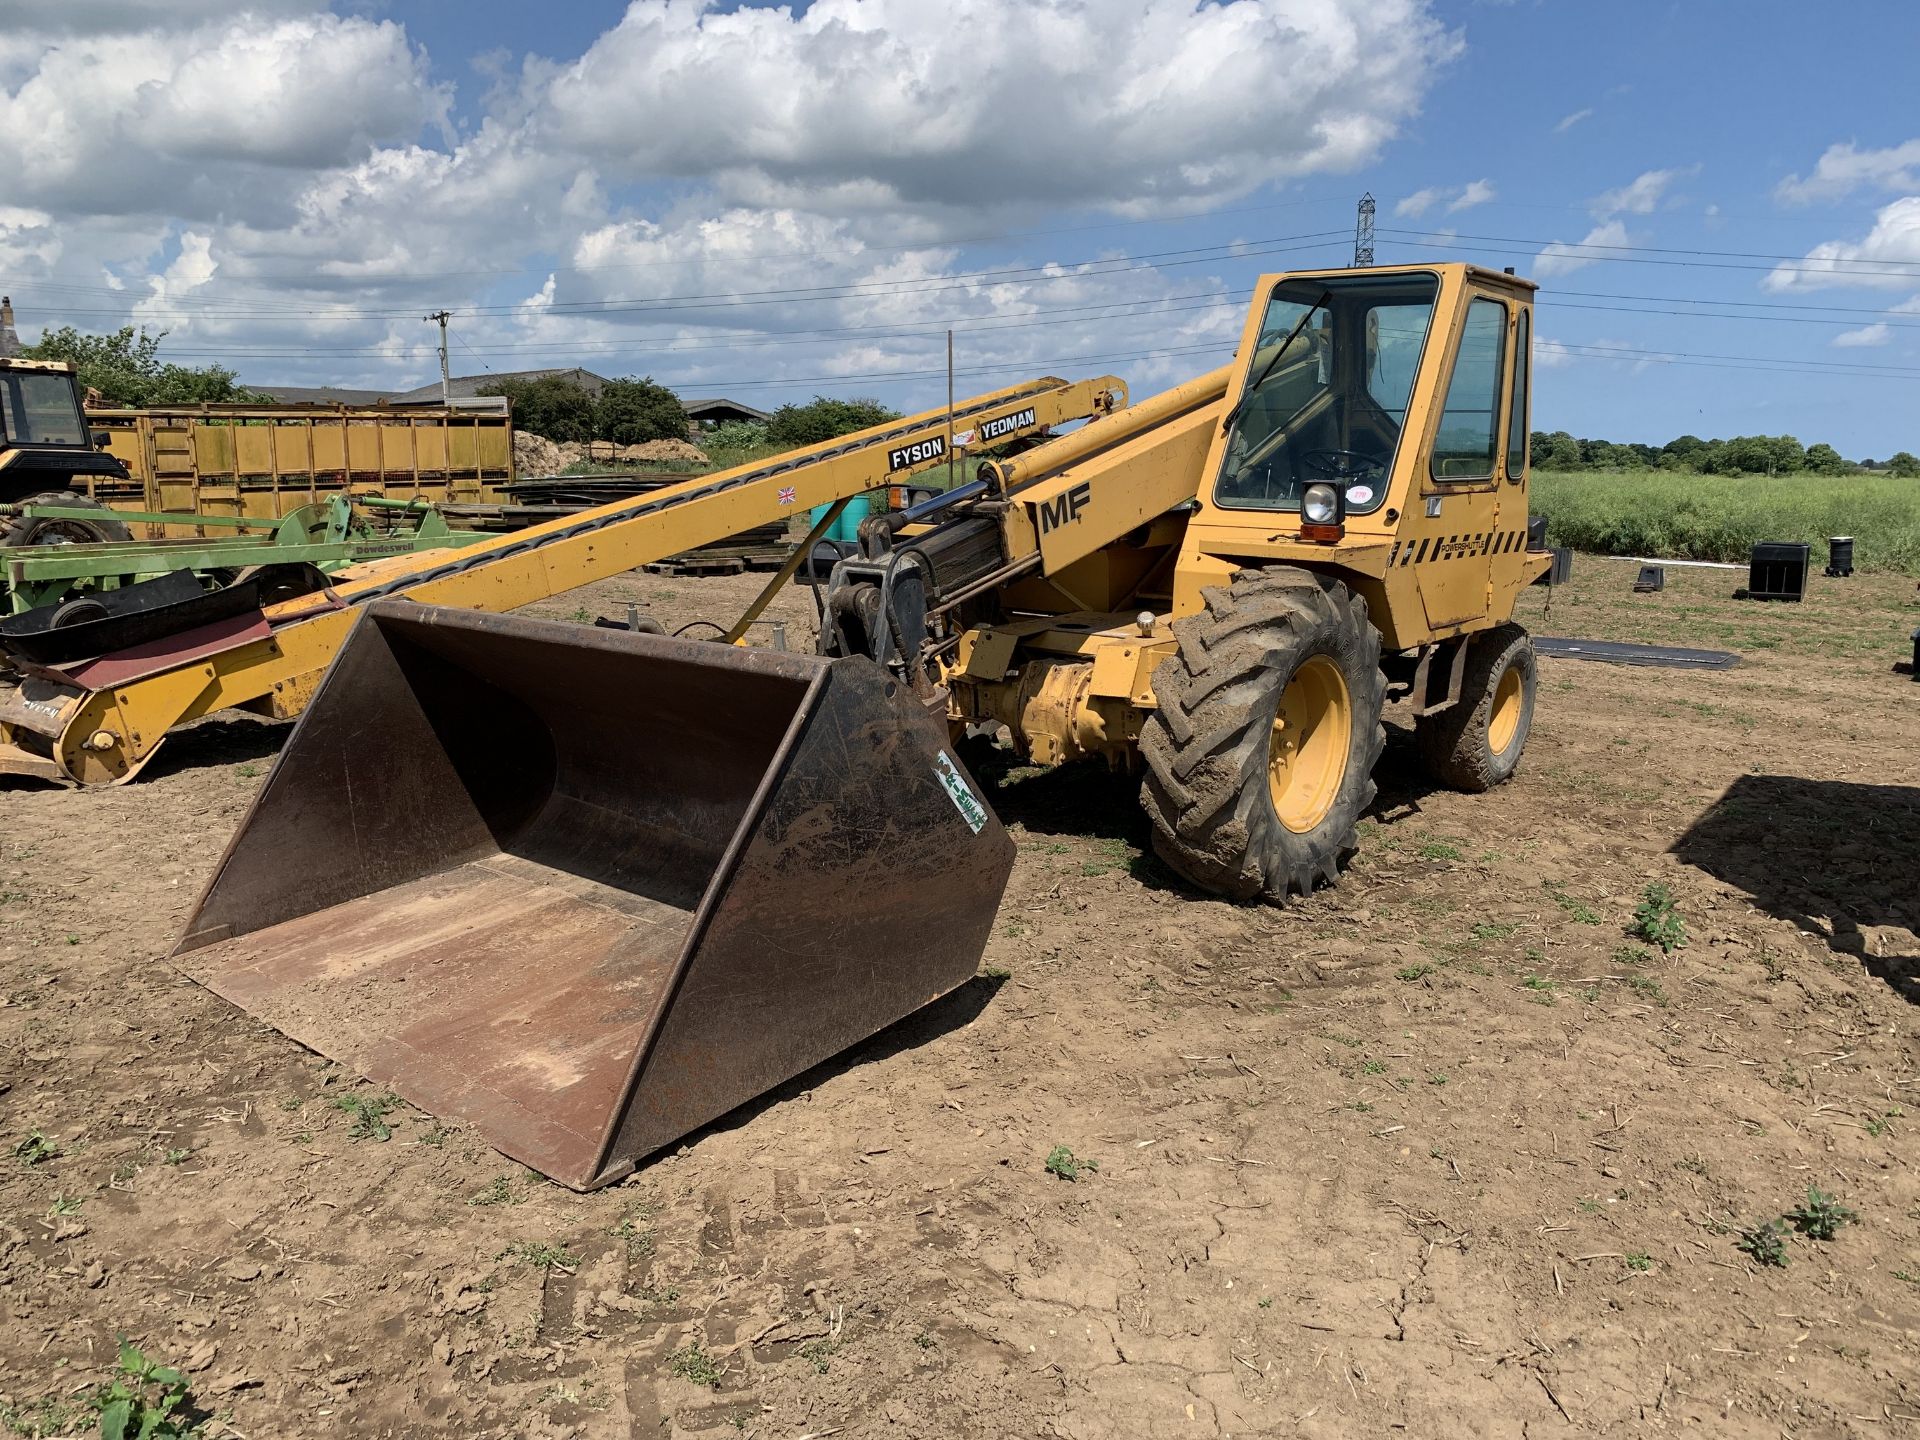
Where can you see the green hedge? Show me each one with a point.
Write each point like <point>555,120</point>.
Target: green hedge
<point>1719,517</point>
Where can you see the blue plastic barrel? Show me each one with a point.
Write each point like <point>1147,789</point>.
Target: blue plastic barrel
<point>847,528</point>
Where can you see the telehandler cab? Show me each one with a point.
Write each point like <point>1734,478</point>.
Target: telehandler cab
<point>1346,524</point>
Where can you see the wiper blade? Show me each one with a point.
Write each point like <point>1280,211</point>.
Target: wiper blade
<point>1247,394</point>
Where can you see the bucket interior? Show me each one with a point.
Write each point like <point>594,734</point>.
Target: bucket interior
<point>626,771</point>
<point>474,871</point>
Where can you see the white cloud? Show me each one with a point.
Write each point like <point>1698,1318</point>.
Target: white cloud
<point>183,121</point>
<point>1550,354</point>
<point>1141,102</point>
<point>1887,257</point>
<point>1560,258</point>
<point>1557,355</point>
<point>191,269</point>
<point>1457,198</point>
<point>277,176</point>
<point>1476,192</point>
<point>1878,333</point>
<point>1421,201</point>
<point>1641,195</point>
<point>1623,352</point>
<point>881,296</point>
<point>46,18</point>
<point>28,240</point>
<point>1845,167</point>
<point>1567,122</point>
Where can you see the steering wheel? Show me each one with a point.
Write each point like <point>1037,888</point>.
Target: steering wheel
<point>1343,465</point>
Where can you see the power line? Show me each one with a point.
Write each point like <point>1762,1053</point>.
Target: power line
<point>1139,309</point>
<point>1696,315</point>
<point>939,371</point>
<point>731,339</point>
<point>999,237</point>
<point>1102,311</point>
<point>1647,255</point>
<point>1744,304</point>
<point>1050,272</point>
<point>471,351</point>
<point>1831,368</point>
<point>1143,309</point>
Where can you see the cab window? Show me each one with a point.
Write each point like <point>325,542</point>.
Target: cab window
<point>1469,435</point>
<point>1517,416</point>
<point>1325,395</point>
<point>37,408</point>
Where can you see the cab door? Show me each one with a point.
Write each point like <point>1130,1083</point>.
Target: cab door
<point>1460,522</point>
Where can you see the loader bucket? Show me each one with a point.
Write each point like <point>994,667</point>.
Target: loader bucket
<point>587,889</point>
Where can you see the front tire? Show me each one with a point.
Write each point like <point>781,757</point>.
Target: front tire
<point>1260,754</point>
<point>1476,742</point>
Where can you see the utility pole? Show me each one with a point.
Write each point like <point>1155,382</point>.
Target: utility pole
<point>950,409</point>
<point>1363,233</point>
<point>442,316</point>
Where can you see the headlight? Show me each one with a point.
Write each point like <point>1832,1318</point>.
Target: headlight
<point>1320,505</point>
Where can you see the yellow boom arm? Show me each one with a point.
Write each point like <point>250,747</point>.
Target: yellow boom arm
<point>105,736</point>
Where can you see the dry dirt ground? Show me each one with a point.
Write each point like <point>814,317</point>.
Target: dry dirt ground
<point>1442,1152</point>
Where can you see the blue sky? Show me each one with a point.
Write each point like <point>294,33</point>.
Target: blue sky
<point>778,203</point>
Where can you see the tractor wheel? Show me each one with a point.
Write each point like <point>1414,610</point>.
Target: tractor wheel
<point>1475,743</point>
<point>81,610</point>
<point>1260,755</point>
<point>46,530</point>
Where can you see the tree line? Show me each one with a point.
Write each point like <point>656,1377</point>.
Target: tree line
<point>628,412</point>
<point>631,412</point>
<point>124,371</point>
<point>1740,455</point>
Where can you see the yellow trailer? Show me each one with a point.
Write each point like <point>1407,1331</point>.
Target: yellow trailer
<point>263,461</point>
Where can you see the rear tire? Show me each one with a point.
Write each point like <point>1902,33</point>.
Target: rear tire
<point>1476,743</point>
<point>1260,754</point>
<point>44,530</point>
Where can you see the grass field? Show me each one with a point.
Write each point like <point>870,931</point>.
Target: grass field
<point>1652,512</point>
<point>1719,517</point>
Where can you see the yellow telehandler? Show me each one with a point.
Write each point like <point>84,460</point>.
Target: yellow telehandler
<point>590,889</point>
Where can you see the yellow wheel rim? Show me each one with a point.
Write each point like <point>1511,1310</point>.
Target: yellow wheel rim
<point>1509,699</point>
<point>1312,737</point>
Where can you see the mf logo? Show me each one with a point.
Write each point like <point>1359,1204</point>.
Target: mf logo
<point>1064,508</point>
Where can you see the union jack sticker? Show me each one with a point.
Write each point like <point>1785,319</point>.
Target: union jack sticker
<point>787,497</point>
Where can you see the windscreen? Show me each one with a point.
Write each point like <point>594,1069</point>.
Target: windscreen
<point>38,408</point>
<point>1327,390</point>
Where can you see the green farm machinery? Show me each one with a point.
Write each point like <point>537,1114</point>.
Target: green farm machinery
<point>326,536</point>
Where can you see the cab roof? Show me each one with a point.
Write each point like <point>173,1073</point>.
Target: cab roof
<point>1478,274</point>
